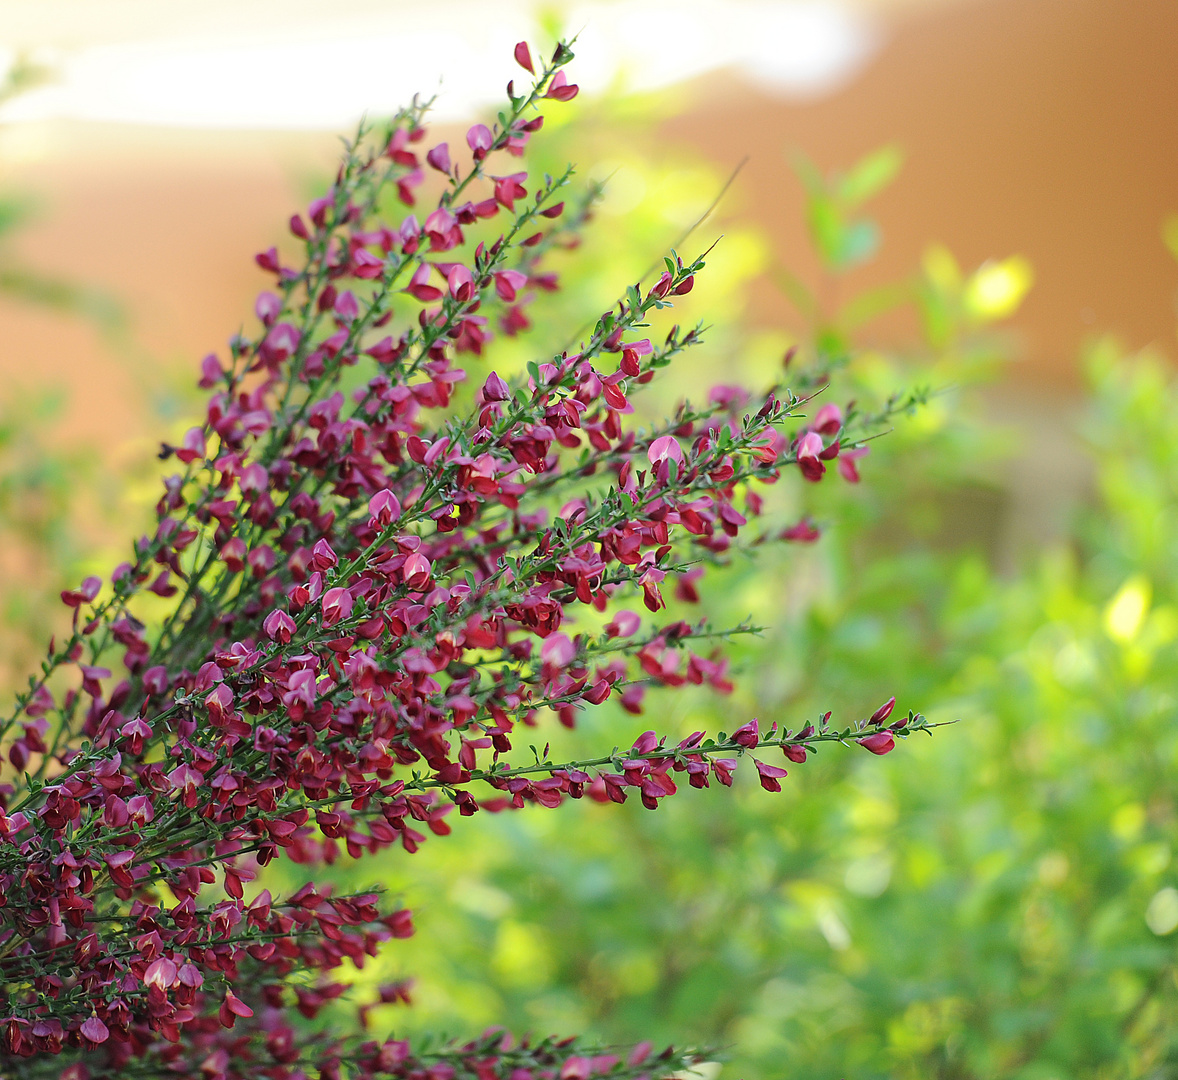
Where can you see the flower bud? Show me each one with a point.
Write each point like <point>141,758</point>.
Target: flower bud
<point>748,735</point>
<point>323,556</point>
<point>495,388</point>
<point>523,57</point>
<point>439,158</point>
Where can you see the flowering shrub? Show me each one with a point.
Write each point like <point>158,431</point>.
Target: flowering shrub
<point>373,579</point>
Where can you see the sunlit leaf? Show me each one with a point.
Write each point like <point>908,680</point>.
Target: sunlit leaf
<point>996,289</point>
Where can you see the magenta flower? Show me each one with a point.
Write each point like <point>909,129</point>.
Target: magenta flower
<point>561,89</point>
<point>879,742</point>
<point>623,624</point>
<point>383,508</point>
<point>809,452</point>
<point>509,188</point>
<point>495,389</point>
<point>439,158</point>
<point>508,283</point>
<point>461,282</point>
<point>161,973</point>
<point>805,531</point>
<point>665,448</point>
<point>136,731</point>
<point>323,556</point>
<point>416,572</point>
<point>233,1007</point>
<point>828,420</point>
<point>523,57</point>
<point>86,593</point>
<point>419,287</point>
<point>337,605</point>
<point>193,446</point>
<point>847,467</point>
<point>480,140</point>
<point>769,775</point>
<point>558,651</point>
<point>279,626</point>
<point>94,1030</point>
<point>749,735</point>
<point>723,768</point>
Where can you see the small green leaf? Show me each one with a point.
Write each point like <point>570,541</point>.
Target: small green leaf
<point>858,243</point>
<point>870,175</point>
<point>827,228</point>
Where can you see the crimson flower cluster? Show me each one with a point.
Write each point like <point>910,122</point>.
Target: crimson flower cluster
<point>377,565</point>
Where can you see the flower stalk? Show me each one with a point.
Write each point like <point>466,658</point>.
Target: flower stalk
<point>376,575</point>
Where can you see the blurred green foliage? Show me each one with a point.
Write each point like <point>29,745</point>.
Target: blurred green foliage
<point>842,239</point>
<point>996,901</point>
<point>16,279</point>
<point>42,488</point>
<point>51,495</point>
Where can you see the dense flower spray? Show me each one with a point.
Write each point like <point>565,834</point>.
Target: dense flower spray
<point>369,591</point>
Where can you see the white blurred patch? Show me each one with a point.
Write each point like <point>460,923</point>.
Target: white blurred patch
<point>869,875</point>
<point>795,48</point>
<point>325,69</point>
<point>1162,914</point>
<point>833,928</point>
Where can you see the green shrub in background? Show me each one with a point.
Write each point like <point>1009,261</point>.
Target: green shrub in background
<point>993,902</point>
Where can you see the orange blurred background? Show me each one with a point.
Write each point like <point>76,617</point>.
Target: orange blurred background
<point>1043,127</point>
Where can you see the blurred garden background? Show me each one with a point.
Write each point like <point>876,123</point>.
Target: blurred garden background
<point>973,196</point>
